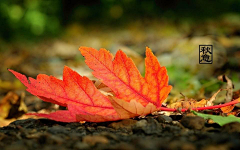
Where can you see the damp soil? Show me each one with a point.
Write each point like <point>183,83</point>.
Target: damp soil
<point>152,132</point>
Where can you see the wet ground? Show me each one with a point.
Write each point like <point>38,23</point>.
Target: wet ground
<point>152,132</point>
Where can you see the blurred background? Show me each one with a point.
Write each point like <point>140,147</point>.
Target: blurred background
<point>41,36</point>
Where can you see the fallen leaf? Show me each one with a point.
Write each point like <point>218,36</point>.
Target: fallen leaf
<point>72,90</point>
<point>122,76</point>
<point>218,119</point>
<point>187,103</point>
<point>227,109</point>
<point>123,94</point>
<point>213,98</point>
<point>236,94</point>
<point>12,106</point>
<point>131,109</point>
<point>230,87</point>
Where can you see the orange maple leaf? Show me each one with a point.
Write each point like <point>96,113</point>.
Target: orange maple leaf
<point>73,90</point>
<point>134,95</point>
<point>123,77</point>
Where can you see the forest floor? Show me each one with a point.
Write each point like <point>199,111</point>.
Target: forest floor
<point>176,47</point>
<point>152,132</point>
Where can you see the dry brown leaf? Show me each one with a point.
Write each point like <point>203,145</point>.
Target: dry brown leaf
<point>192,103</point>
<point>227,109</point>
<point>12,105</point>
<point>132,108</point>
<point>230,87</point>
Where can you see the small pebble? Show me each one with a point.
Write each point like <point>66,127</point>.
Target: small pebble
<point>81,146</point>
<point>193,122</point>
<point>163,118</point>
<point>127,123</point>
<point>58,129</point>
<point>231,127</point>
<point>149,126</point>
<point>94,139</point>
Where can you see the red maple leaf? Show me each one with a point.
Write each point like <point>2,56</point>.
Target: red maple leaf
<point>133,94</point>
